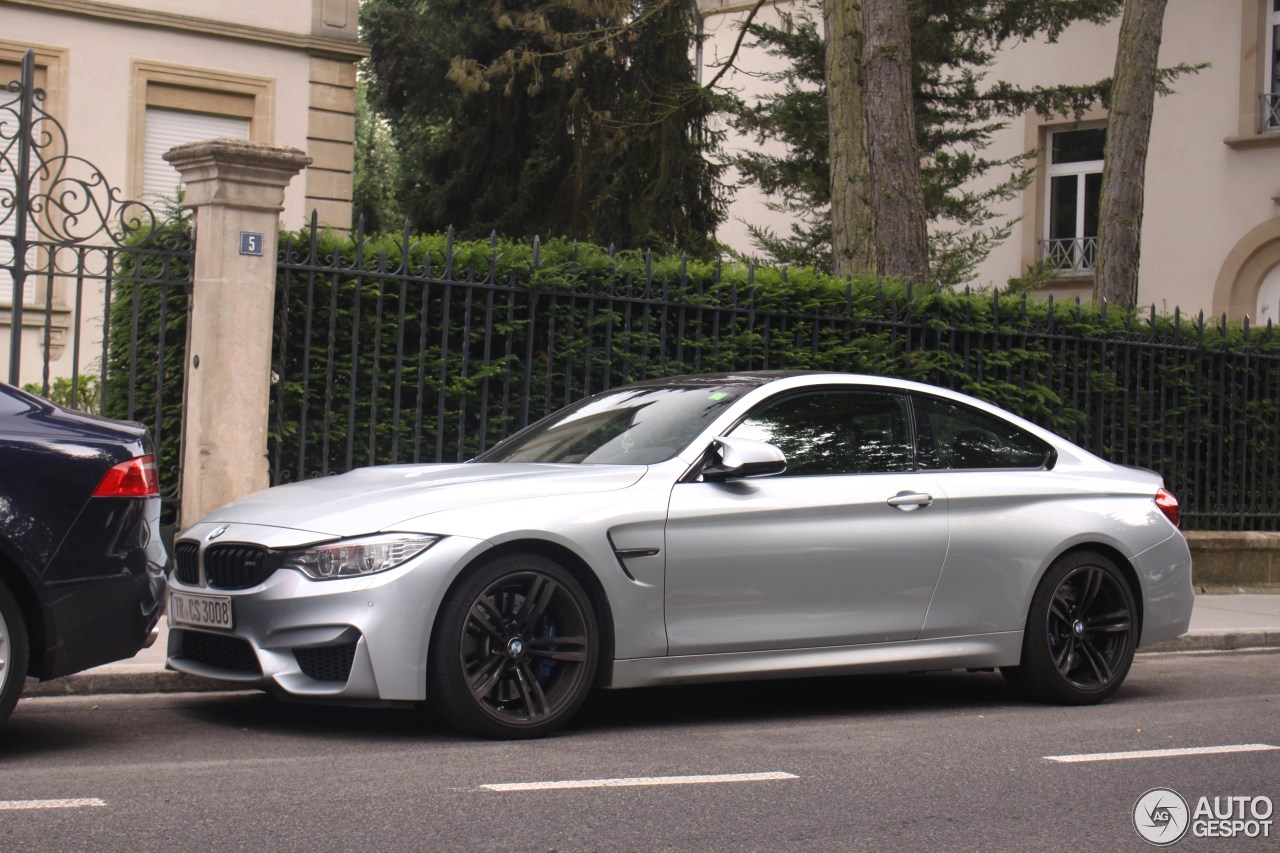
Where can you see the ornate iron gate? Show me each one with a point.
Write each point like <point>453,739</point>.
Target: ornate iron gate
<point>92,285</point>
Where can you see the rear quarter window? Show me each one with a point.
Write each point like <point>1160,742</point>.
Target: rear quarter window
<point>952,437</point>
<point>13,402</point>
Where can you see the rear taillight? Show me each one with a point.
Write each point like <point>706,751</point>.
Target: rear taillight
<point>1169,506</point>
<point>136,478</point>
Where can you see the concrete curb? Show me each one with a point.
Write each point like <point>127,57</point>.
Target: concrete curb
<point>126,678</point>
<point>1220,640</point>
<point>148,680</point>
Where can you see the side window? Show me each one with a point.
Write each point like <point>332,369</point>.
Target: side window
<point>957,437</point>
<point>835,432</point>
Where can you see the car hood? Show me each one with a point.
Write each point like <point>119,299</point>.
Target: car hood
<point>380,498</point>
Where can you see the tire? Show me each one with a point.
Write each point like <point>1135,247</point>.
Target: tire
<point>1081,633</point>
<point>13,652</point>
<point>500,670</point>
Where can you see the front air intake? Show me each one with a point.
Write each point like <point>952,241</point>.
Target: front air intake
<point>220,652</point>
<point>328,663</point>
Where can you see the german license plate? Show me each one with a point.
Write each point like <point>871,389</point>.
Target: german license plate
<point>207,611</point>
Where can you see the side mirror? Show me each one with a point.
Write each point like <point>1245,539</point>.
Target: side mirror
<point>733,458</point>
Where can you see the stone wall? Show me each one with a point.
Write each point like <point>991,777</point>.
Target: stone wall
<point>1228,561</point>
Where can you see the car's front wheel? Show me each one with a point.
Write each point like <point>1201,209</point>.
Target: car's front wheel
<point>1082,629</point>
<point>13,652</point>
<point>514,649</point>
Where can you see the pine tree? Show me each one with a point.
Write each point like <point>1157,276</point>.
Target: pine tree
<point>798,182</point>
<point>573,118</point>
<point>956,112</point>
<point>376,175</point>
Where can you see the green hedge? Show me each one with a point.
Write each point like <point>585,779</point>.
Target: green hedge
<point>399,348</point>
<point>146,343</point>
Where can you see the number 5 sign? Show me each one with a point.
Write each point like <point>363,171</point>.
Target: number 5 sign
<point>251,243</point>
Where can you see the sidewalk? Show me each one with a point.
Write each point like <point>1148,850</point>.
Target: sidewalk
<point>1225,622</point>
<point>1218,623</point>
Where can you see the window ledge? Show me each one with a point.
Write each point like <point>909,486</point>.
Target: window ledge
<point>33,316</point>
<point>1270,139</point>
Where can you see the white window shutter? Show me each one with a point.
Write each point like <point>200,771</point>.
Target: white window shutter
<point>167,128</point>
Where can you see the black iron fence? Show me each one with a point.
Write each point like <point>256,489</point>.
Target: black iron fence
<point>400,350</point>
<point>93,287</point>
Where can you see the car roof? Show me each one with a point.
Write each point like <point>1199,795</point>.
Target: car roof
<point>760,378</point>
<point>746,378</point>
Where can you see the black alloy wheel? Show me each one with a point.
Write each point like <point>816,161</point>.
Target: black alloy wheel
<point>1082,630</point>
<point>514,651</point>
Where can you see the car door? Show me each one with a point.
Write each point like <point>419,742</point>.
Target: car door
<point>1006,513</point>
<point>844,548</point>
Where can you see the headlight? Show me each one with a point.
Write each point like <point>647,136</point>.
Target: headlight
<point>352,558</point>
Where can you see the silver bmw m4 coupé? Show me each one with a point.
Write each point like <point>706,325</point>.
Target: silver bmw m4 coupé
<point>699,528</point>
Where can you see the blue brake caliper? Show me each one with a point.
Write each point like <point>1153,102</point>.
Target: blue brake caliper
<point>546,666</point>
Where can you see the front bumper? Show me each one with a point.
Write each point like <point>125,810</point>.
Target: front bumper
<point>356,639</point>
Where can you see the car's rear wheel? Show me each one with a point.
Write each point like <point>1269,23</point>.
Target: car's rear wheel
<point>1082,629</point>
<point>514,649</point>
<point>13,652</point>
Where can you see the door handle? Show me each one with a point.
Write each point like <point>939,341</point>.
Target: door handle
<point>908,501</point>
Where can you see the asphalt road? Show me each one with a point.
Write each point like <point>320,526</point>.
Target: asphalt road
<point>937,762</point>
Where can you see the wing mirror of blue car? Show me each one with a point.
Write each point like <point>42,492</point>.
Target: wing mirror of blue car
<point>735,458</point>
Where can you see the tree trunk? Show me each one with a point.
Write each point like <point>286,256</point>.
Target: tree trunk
<point>897,199</point>
<point>1133,96</point>
<point>852,243</point>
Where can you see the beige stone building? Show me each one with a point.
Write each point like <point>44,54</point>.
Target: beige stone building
<point>1211,235</point>
<point>129,79</point>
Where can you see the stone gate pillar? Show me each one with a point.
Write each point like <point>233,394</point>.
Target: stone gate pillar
<point>236,189</point>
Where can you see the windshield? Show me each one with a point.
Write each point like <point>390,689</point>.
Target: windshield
<point>628,426</point>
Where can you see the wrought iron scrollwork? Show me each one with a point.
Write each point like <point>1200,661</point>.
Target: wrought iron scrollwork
<point>10,133</point>
<point>67,199</point>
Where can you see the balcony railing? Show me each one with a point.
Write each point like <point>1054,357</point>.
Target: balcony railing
<point>1270,112</point>
<point>1070,256</point>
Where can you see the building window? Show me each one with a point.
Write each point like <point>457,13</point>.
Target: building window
<point>175,104</point>
<point>167,128</point>
<point>1269,300</point>
<point>1271,69</point>
<point>1074,176</point>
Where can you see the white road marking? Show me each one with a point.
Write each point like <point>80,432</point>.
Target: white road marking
<point>639,781</point>
<point>13,805</point>
<point>1161,753</point>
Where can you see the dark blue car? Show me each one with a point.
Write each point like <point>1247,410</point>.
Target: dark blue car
<point>82,565</point>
